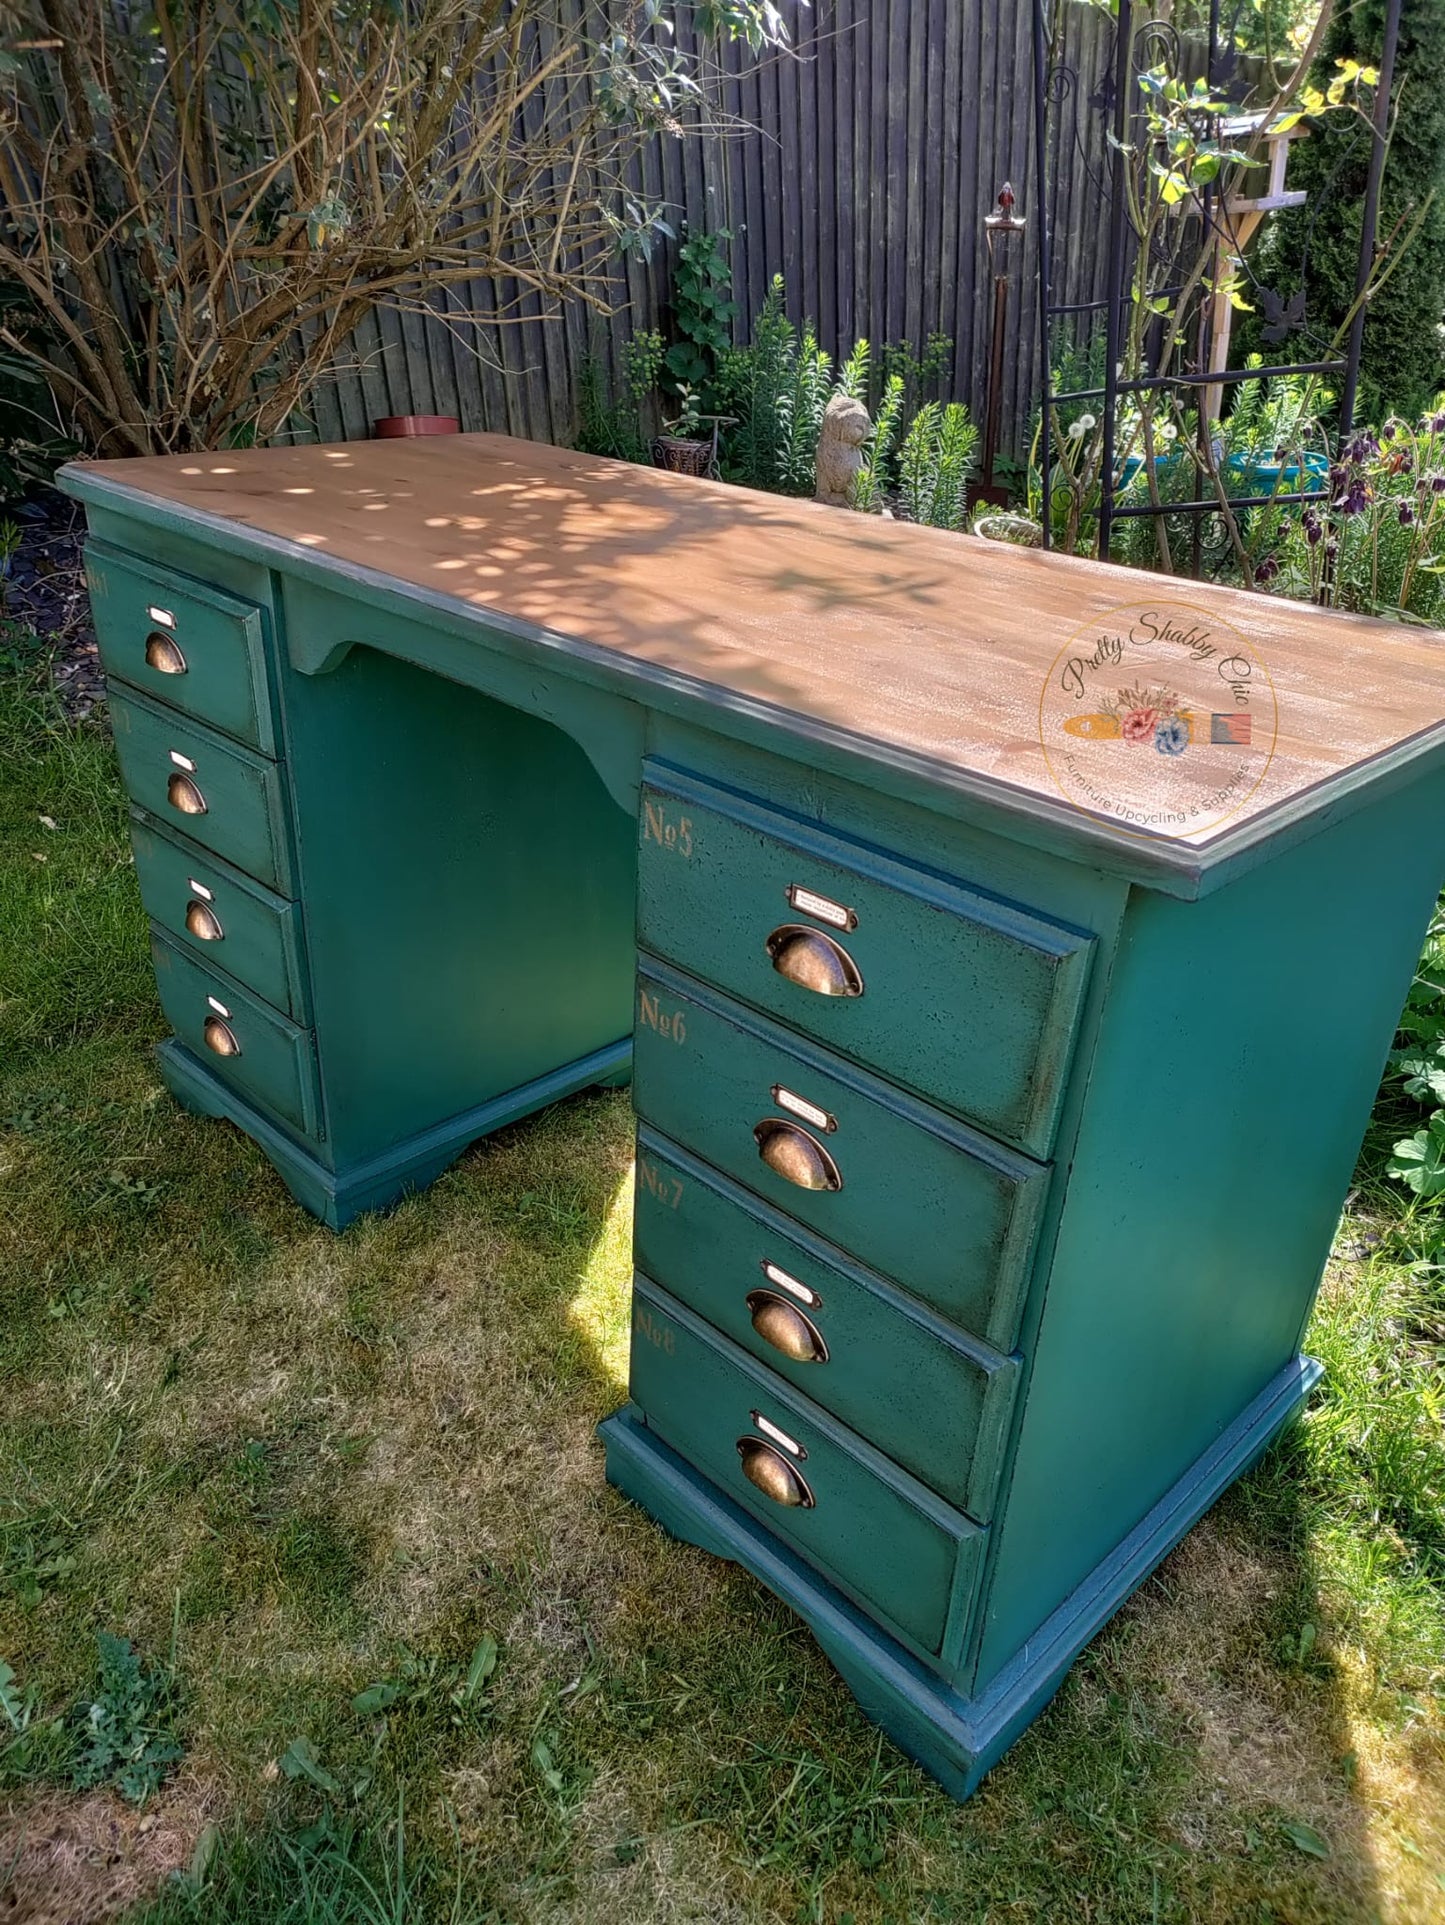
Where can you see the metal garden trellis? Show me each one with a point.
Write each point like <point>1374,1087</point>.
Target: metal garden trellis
<point>1118,98</point>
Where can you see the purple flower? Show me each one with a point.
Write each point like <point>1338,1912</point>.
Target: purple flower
<point>1332,549</point>
<point>1407,514</point>
<point>1312,526</point>
<point>1437,483</point>
<point>1265,569</point>
<point>1436,424</point>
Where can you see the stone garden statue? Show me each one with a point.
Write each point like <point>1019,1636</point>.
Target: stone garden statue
<point>840,450</point>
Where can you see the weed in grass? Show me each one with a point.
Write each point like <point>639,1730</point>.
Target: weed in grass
<point>125,1729</point>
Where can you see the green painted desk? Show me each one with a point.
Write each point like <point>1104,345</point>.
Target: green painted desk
<point>1009,945</point>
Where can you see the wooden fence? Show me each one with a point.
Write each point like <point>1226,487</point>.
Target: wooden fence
<point>860,167</point>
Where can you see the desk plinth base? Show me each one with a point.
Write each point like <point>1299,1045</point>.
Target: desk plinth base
<point>955,1739</point>
<point>339,1196</point>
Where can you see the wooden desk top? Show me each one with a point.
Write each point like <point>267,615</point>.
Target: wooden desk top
<point>965,653</point>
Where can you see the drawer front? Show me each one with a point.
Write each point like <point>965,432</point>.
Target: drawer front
<point>967,1000</point>
<point>194,647</point>
<point>217,794</point>
<point>237,1036</point>
<point>894,1374</point>
<point>889,1544</point>
<point>945,1212</point>
<point>225,920</point>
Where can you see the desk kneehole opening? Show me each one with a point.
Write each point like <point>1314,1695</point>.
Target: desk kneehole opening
<point>784,1326</point>
<point>813,961</point>
<point>768,1470</point>
<point>793,1154</point>
<point>164,654</point>
<point>219,1037</point>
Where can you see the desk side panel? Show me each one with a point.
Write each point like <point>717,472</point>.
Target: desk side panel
<point>1239,1053</point>
<point>467,886</point>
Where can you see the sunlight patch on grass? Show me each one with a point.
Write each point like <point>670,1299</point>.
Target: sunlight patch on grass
<point>601,1309</point>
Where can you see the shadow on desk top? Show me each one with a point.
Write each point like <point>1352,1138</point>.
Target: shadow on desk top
<point>1169,708</point>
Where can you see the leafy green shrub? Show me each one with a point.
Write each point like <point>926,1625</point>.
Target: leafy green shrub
<point>702,309</point>
<point>1317,247</point>
<point>615,428</point>
<point>1374,546</point>
<point>934,463</point>
<point>777,389</point>
<point>874,477</point>
<point>1417,1069</point>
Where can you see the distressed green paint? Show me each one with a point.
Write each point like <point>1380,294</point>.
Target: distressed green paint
<point>223,678</point>
<point>259,943</point>
<point>273,1067</point>
<point>422,838</point>
<point>930,1203</point>
<point>882,1538</point>
<point>967,1000</point>
<point>245,816</point>
<point>466,884</point>
<point>935,1402</point>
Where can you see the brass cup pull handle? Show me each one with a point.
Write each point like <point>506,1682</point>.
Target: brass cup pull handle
<point>202,921</point>
<point>183,794</point>
<point>813,961</point>
<point>774,1476</point>
<point>164,655</point>
<point>795,1155</point>
<point>777,1322</point>
<point>220,1037</point>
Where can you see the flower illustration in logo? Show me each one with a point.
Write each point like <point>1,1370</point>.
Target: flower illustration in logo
<point>1139,725</point>
<point>1172,736</point>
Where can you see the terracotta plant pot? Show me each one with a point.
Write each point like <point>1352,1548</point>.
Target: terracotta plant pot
<point>391,426</point>
<point>682,455</point>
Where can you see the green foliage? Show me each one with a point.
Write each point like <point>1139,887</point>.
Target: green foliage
<point>1376,545</point>
<point>32,442</point>
<point>1416,1073</point>
<point>125,1726</point>
<point>702,310</point>
<point>934,463</point>
<point>873,477</point>
<point>921,374</point>
<point>604,427</point>
<point>1316,247</point>
<point>777,389</point>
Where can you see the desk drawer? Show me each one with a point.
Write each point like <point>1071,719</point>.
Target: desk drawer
<point>891,1371</point>
<point>890,1544</point>
<point>237,1036</point>
<point>194,647</point>
<point>945,1212</point>
<point>223,919</point>
<point>216,793</point>
<point>970,1001</point>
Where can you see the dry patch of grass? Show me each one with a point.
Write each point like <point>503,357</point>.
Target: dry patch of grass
<point>81,1859</point>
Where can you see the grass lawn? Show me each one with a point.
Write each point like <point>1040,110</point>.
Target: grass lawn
<point>343,1497</point>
